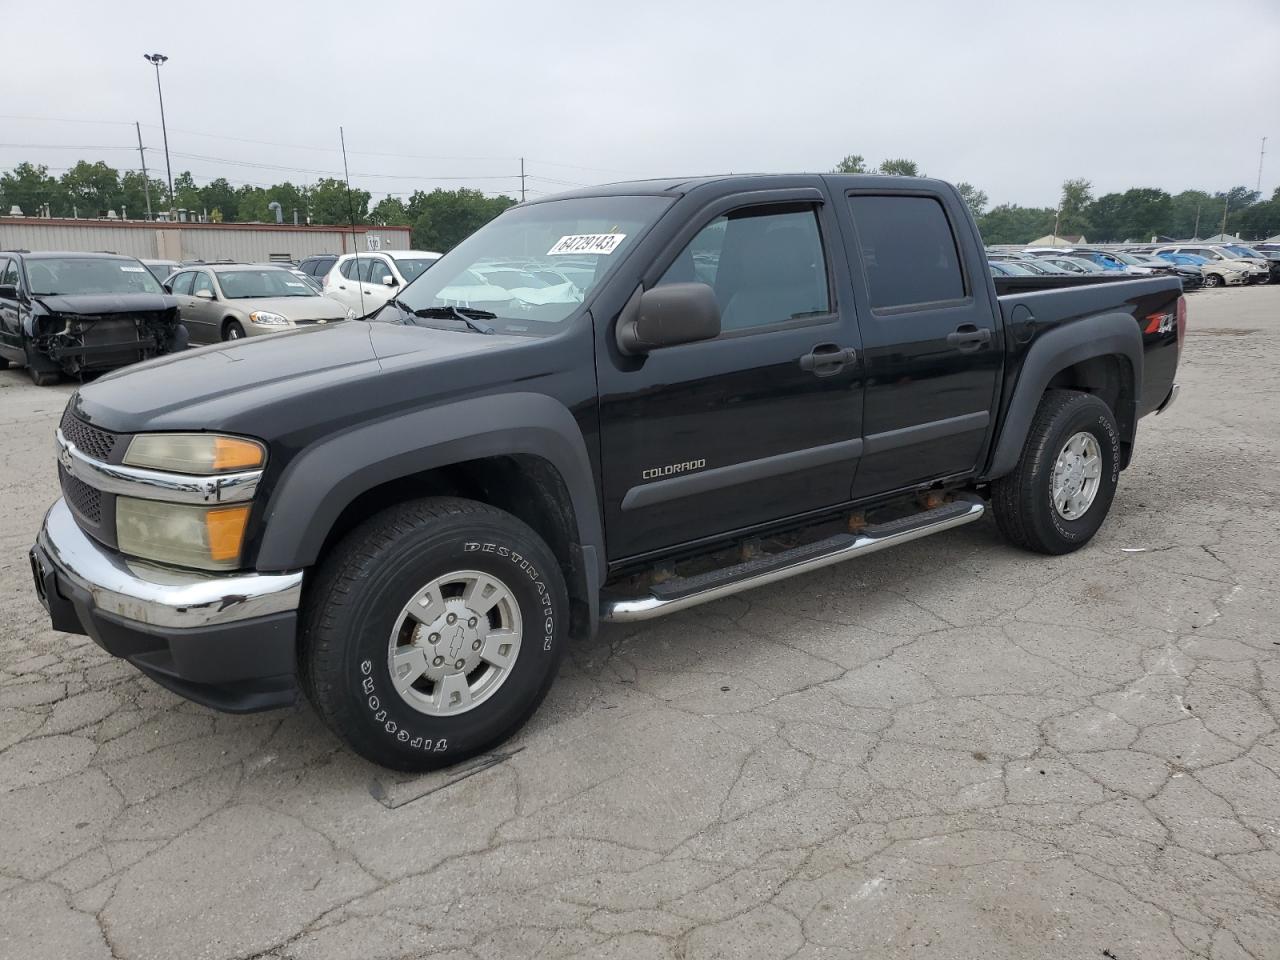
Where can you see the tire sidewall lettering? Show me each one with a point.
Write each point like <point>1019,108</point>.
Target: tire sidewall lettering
<point>404,727</point>
<point>1105,433</point>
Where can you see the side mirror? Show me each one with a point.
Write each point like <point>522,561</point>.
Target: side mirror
<point>167,288</point>
<point>8,292</point>
<point>390,281</point>
<point>667,316</point>
<point>204,294</point>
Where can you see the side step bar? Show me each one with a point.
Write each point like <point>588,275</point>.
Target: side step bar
<point>684,592</point>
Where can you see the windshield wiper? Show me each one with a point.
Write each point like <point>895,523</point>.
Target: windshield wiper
<point>472,318</point>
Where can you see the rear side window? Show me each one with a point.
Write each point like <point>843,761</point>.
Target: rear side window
<point>765,264</point>
<point>908,249</point>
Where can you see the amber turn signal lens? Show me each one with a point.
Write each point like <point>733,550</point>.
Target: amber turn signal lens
<point>231,453</point>
<point>225,529</point>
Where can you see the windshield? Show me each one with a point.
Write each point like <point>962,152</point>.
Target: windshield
<point>533,266</point>
<point>412,269</point>
<point>1017,269</point>
<point>1126,258</point>
<point>51,276</point>
<point>1240,251</point>
<point>257,284</point>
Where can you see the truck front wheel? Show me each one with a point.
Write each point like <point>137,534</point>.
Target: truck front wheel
<point>432,632</point>
<point>1057,497</point>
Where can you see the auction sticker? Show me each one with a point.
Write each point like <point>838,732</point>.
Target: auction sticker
<point>604,243</point>
<point>133,269</point>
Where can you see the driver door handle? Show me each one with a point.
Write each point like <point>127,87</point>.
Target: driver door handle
<point>827,358</point>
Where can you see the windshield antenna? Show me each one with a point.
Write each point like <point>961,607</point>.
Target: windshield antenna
<point>351,213</point>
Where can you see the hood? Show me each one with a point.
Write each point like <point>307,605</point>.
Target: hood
<point>295,308</point>
<point>308,376</point>
<point>97,304</point>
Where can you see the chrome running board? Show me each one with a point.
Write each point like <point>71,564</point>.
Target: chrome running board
<point>682,593</point>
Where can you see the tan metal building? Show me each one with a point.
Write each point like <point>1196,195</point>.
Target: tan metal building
<point>247,242</point>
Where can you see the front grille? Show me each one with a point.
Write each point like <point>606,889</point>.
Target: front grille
<point>83,499</point>
<point>91,441</point>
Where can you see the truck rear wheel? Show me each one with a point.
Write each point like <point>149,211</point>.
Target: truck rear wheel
<point>432,632</point>
<point>1057,497</point>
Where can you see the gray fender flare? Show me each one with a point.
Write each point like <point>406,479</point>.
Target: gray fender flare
<point>1102,335</point>
<point>326,477</point>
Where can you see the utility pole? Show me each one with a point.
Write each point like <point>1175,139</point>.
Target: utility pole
<point>1226,203</point>
<point>146,184</point>
<point>1195,233</point>
<point>156,59</point>
<point>1262,153</point>
<point>522,179</point>
<point>1056,216</point>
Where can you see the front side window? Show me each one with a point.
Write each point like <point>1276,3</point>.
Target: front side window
<point>908,249</point>
<point>182,283</point>
<point>9,272</point>
<point>54,276</point>
<point>378,271</point>
<point>765,265</point>
<point>202,282</point>
<point>530,268</point>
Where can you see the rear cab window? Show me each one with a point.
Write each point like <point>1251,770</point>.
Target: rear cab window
<point>909,251</point>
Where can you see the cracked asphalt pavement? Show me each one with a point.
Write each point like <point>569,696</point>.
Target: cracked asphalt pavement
<point>950,750</point>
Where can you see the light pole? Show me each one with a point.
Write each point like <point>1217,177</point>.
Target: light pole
<point>155,59</point>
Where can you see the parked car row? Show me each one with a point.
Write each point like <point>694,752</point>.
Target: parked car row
<point>1196,264</point>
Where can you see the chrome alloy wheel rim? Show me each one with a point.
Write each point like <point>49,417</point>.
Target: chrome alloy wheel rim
<point>1077,475</point>
<point>455,643</point>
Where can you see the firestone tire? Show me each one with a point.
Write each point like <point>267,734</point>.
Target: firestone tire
<point>1024,501</point>
<point>357,613</point>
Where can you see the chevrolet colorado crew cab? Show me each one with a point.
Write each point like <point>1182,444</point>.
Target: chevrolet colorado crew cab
<point>607,405</point>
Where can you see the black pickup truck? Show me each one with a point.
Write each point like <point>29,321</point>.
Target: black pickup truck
<point>607,405</point>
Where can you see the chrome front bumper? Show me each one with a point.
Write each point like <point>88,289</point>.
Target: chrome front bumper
<point>158,596</point>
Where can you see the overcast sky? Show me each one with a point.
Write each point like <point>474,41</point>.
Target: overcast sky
<point>1012,97</point>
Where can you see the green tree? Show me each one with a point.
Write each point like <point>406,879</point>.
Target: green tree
<point>133,196</point>
<point>442,218</point>
<point>92,189</point>
<point>186,193</point>
<point>1075,199</point>
<point>1261,220</point>
<point>1139,213</point>
<point>390,211</point>
<point>974,198</point>
<point>221,196</point>
<point>1010,223</point>
<point>29,188</point>
<point>330,203</point>
<point>853,163</point>
<point>901,167</point>
<point>1190,212</point>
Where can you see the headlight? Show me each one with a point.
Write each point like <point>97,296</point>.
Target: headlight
<point>199,453</point>
<point>268,319</point>
<point>351,314</point>
<point>208,538</point>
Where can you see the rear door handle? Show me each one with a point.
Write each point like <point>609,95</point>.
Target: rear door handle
<point>969,337</point>
<point>827,358</point>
